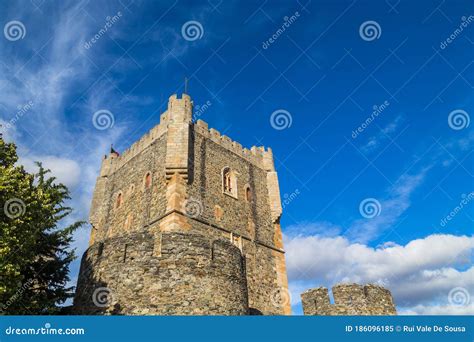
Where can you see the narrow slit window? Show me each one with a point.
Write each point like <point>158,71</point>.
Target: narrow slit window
<point>147,180</point>
<point>119,200</point>
<point>248,194</point>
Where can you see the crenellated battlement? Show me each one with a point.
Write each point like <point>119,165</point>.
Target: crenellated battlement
<point>112,162</point>
<point>256,155</point>
<point>349,299</point>
<point>179,112</point>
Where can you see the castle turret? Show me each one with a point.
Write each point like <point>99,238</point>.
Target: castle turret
<point>179,118</point>
<point>180,109</point>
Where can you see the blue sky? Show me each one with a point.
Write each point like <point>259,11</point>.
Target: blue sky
<point>323,73</point>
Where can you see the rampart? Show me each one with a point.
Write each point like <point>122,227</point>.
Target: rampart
<point>349,299</point>
<point>162,274</point>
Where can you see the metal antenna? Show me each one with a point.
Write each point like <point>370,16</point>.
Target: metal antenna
<point>185,85</point>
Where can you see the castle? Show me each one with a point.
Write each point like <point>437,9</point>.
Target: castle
<point>185,222</point>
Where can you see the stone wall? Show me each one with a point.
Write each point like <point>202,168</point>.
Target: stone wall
<point>250,222</point>
<point>349,299</point>
<point>264,289</point>
<point>246,218</point>
<point>165,274</point>
<point>140,204</point>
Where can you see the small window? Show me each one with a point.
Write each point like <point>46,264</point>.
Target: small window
<point>229,182</point>
<point>119,200</point>
<point>248,194</point>
<point>147,180</point>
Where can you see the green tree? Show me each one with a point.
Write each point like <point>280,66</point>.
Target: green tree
<point>34,251</point>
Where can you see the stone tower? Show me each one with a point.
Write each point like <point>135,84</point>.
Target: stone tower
<point>185,221</point>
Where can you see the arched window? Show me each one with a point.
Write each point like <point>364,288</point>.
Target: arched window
<point>119,201</point>
<point>147,180</point>
<point>229,182</point>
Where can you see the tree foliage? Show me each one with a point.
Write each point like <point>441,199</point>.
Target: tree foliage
<point>34,248</point>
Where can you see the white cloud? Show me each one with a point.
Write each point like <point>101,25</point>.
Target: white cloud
<point>66,171</point>
<point>438,310</point>
<point>420,272</point>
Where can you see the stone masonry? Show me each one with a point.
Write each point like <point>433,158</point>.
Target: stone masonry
<point>171,236</point>
<point>349,299</point>
<point>176,274</point>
